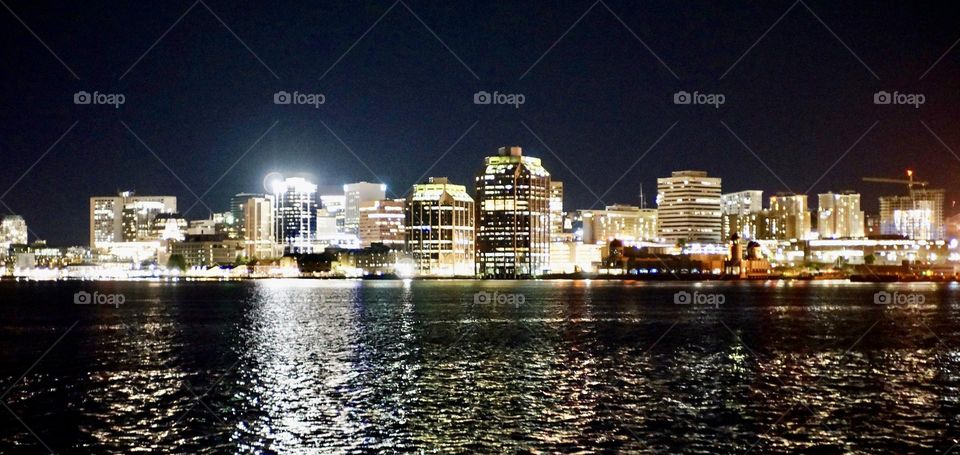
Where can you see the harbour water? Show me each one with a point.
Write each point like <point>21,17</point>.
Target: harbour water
<point>328,366</point>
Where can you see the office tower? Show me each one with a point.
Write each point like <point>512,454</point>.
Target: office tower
<point>742,214</point>
<point>169,226</point>
<point>13,231</point>
<point>839,216</point>
<point>513,216</point>
<point>382,222</point>
<point>788,217</point>
<point>918,215</point>
<point>259,226</point>
<point>126,217</point>
<point>333,201</point>
<point>556,212</point>
<point>439,227</point>
<point>688,208</point>
<point>627,223</point>
<point>356,194</point>
<point>296,214</point>
<point>234,225</point>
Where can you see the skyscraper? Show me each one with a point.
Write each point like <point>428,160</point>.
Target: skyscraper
<point>688,207</point>
<point>356,194</point>
<point>296,214</point>
<point>916,216</point>
<point>259,226</point>
<point>788,217</point>
<point>742,214</point>
<point>839,216</point>
<point>556,211</point>
<point>126,217</point>
<point>439,227</point>
<point>234,225</point>
<point>513,216</point>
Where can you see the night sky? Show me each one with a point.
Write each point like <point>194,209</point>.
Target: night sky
<point>799,98</point>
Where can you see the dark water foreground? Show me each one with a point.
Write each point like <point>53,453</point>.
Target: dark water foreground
<point>301,366</point>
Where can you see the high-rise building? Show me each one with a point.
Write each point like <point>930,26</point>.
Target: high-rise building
<point>917,216</point>
<point>332,202</point>
<point>126,217</point>
<point>788,217</point>
<point>382,222</point>
<point>440,228</point>
<point>688,208</point>
<point>356,194</point>
<point>742,214</point>
<point>259,226</point>
<point>839,216</point>
<point>627,223</point>
<point>556,212</point>
<point>296,214</point>
<point>234,223</point>
<point>513,216</point>
<point>13,231</point>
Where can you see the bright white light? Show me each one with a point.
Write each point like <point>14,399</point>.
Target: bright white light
<point>270,182</point>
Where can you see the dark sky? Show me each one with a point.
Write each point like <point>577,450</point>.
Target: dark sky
<point>400,98</point>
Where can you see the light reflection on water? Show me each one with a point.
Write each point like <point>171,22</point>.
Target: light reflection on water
<point>294,366</point>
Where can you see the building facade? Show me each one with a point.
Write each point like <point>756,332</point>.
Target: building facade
<point>513,216</point>
<point>356,194</point>
<point>296,214</point>
<point>742,215</point>
<point>627,223</point>
<point>688,208</point>
<point>788,217</point>
<point>259,227</point>
<point>439,228</point>
<point>13,231</point>
<point>839,216</point>
<point>917,216</point>
<point>382,222</point>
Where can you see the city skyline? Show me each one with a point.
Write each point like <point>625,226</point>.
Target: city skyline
<point>197,134</point>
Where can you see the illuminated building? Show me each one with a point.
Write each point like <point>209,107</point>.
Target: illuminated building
<point>234,224</point>
<point>556,212</point>
<point>126,217</point>
<point>513,216</point>
<point>13,231</point>
<point>688,208</point>
<point>742,214</point>
<point>333,203</point>
<point>382,222</point>
<point>788,217</point>
<point>439,227</point>
<point>839,216</point>
<point>259,227</point>
<point>296,214</point>
<point>169,226</point>
<point>627,223</point>
<point>354,195</point>
<point>916,216</point>
<point>208,250</point>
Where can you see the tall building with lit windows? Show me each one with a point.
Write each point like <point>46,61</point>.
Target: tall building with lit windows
<point>382,222</point>
<point>13,231</point>
<point>688,208</point>
<point>259,226</point>
<point>742,214</point>
<point>788,217</point>
<point>296,214</point>
<point>556,212</point>
<point>126,217</point>
<point>917,216</point>
<point>439,228</point>
<point>839,216</point>
<point>513,216</point>
<point>355,194</point>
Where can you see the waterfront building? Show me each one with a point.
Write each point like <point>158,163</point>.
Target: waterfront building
<point>235,223</point>
<point>788,217</point>
<point>356,194</point>
<point>169,226</point>
<point>126,217</point>
<point>295,214</point>
<point>688,208</point>
<point>557,232</point>
<point>839,216</point>
<point>627,223</point>
<point>382,222</point>
<point>259,227</point>
<point>333,202</point>
<point>208,250</point>
<point>513,216</point>
<point>13,231</point>
<point>742,214</point>
<point>439,228</point>
<point>918,215</point>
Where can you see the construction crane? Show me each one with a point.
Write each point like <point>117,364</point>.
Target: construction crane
<point>910,182</point>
